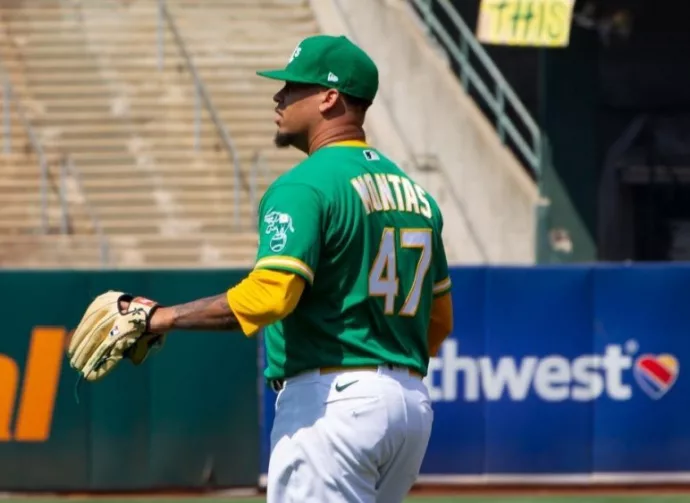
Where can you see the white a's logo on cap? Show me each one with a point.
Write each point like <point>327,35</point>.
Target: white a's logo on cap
<point>295,54</point>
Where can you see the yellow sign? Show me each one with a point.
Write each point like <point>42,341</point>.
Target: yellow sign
<point>34,410</point>
<point>538,23</point>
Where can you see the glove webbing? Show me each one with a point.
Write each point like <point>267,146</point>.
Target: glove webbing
<point>81,378</point>
<point>104,358</point>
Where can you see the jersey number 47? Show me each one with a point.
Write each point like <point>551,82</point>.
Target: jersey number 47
<point>383,277</point>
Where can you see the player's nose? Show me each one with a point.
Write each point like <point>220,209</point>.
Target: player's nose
<point>280,95</point>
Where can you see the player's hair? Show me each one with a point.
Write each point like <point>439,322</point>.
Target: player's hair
<point>358,103</point>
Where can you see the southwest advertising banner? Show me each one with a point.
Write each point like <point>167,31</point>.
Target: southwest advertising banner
<point>559,374</point>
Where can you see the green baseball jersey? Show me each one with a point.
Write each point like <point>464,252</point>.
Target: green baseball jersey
<point>367,240</point>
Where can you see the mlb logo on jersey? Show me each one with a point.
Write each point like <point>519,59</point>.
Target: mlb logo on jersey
<point>370,155</point>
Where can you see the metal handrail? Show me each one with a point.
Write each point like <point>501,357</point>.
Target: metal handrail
<point>61,191</point>
<point>258,169</point>
<point>504,93</point>
<point>9,101</point>
<point>67,167</point>
<point>201,95</point>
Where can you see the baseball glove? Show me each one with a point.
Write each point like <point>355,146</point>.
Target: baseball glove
<point>107,334</point>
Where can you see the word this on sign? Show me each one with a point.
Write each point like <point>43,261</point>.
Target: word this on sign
<point>538,23</point>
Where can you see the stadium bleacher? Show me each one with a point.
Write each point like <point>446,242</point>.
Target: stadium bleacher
<point>87,76</point>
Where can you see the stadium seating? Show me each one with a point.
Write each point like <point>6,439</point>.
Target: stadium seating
<point>87,74</point>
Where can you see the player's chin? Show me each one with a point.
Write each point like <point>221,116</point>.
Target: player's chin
<point>283,140</point>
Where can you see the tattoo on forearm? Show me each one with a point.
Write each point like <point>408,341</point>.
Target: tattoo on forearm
<point>210,313</point>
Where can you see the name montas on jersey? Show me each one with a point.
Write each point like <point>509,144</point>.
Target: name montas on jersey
<point>382,192</point>
<point>277,226</point>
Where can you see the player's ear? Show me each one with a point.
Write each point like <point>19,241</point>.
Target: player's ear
<point>329,101</point>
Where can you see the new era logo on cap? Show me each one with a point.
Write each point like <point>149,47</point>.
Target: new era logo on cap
<point>332,77</point>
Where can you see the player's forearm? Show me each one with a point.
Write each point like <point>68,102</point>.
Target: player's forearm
<point>210,313</point>
<point>440,324</point>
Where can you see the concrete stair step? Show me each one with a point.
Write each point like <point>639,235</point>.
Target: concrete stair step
<point>151,145</point>
<point>31,197</point>
<point>186,156</point>
<point>260,28</point>
<point>93,104</point>
<point>88,171</point>
<point>172,158</point>
<point>96,40</point>
<point>141,85</point>
<point>203,253</point>
<point>49,91</point>
<point>224,179</point>
<point>85,251</point>
<point>190,240</point>
<point>222,4</point>
<point>64,100</point>
<point>147,62</point>
<point>28,202</point>
<point>95,118</point>
<point>124,132</point>
<point>112,220</point>
<point>211,189</point>
<point>17,136</point>
<point>171,78</point>
<point>177,183</point>
<point>68,261</point>
<point>59,240</point>
<point>45,257</point>
<point>31,225</point>
<point>209,224</point>
<point>119,43</point>
<point>260,10</point>
<point>150,225</point>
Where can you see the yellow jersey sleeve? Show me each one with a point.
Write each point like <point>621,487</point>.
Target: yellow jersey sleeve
<point>264,297</point>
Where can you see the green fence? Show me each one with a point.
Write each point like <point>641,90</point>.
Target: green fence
<point>187,418</point>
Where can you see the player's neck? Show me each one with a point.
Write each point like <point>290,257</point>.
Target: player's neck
<point>347,132</point>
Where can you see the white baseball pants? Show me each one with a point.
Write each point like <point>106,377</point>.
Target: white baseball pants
<point>348,437</point>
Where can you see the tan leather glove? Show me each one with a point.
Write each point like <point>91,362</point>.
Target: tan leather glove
<point>106,334</point>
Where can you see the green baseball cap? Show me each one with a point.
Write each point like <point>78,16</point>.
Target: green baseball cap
<point>333,62</point>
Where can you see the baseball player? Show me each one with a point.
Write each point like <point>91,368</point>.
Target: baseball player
<point>350,285</point>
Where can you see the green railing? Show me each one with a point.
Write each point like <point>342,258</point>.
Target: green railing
<point>69,170</point>
<point>10,101</point>
<point>497,93</point>
<point>258,174</point>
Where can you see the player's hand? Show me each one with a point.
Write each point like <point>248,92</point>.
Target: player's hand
<point>159,321</point>
<point>154,339</point>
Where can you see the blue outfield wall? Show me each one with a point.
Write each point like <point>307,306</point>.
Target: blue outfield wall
<point>559,371</point>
